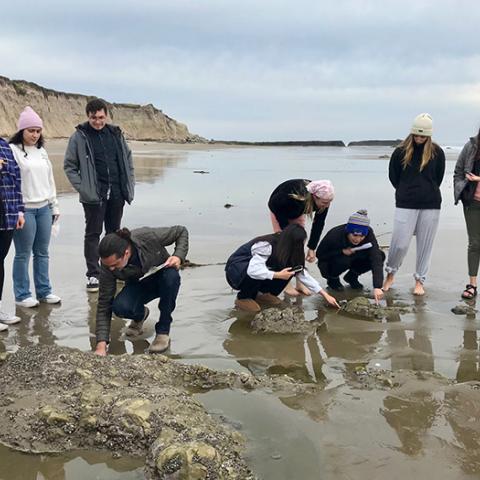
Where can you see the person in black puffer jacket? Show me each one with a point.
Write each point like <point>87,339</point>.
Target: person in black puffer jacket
<point>291,202</point>
<point>416,172</point>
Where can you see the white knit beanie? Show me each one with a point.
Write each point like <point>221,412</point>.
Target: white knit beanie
<point>422,125</point>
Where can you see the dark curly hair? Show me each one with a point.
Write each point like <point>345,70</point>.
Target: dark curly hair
<point>115,243</point>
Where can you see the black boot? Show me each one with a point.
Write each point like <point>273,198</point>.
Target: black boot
<point>352,279</point>
<point>335,284</point>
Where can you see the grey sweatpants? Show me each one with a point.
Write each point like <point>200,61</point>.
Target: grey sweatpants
<point>408,222</point>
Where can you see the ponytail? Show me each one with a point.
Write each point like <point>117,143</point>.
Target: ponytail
<point>115,243</point>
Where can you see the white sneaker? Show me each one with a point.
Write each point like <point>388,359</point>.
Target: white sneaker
<point>28,302</point>
<point>3,327</point>
<point>7,319</point>
<point>51,298</point>
<point>92,284</point>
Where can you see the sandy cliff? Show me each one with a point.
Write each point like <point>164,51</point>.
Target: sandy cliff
<point>61,111</point>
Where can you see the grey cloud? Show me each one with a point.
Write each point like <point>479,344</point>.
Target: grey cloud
<point>254,69</point>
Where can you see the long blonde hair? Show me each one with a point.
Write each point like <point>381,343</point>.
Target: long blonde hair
<point>429,151</point>
<point>307,199</point>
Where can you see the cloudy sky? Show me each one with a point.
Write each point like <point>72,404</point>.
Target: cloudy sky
<point>261,69</point>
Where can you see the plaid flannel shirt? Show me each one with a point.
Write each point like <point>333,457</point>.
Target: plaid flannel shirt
<point>11,200</point>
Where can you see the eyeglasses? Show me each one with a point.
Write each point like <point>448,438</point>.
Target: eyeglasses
<point>97,117</point>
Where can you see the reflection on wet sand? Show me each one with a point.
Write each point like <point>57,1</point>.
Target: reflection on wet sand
<point>411,418</point>
<point>469,358</point>
<point>35,328</point>
<point>72,465</point>
<point>149,166</point>
<point>294,355</point>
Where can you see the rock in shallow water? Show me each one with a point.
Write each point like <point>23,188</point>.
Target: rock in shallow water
<point>286,320</point>
<point>464,309</point>
<point>364,308</point>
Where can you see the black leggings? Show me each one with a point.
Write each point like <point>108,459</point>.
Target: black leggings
<point>5,242</point>
<point>249,287</point>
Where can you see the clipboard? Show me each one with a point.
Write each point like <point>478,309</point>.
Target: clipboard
<point>153,270</point>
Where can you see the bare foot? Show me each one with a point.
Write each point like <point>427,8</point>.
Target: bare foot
<point>293,292</point>
<point>418,290</point>
<point>301,288</point>
<point>388,282</point>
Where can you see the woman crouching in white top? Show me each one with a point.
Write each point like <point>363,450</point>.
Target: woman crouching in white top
<point>261,269</point>
<point>41,211</point>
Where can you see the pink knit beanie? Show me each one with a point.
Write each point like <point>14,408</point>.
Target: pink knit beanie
<point>29,118</point>
<point>322,189</point>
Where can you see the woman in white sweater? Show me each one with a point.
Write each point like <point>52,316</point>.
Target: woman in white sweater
<point>41,211</point>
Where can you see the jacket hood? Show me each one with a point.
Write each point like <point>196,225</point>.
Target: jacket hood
<point>113,128</point>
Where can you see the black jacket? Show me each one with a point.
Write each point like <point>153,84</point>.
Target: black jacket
<point>417,189</point>
<point>286,208</point>
<point>332,244</point>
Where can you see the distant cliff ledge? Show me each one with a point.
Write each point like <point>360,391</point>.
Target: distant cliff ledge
<point>292,143</point>
<point>375,143</point>
<point>61,112</point>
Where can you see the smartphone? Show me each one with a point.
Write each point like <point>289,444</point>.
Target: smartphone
<point>297,269</point>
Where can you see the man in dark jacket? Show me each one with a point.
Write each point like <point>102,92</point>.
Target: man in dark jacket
<point>353,247</point>
<point>140,259</point>
<point>98,163</point>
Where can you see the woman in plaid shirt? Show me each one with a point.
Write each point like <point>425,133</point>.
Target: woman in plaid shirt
<point>11,215</point>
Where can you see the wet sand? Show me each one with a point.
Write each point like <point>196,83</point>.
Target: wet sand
<point>345,431</point>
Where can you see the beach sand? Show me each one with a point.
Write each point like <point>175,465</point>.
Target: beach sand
<point>344,432</point>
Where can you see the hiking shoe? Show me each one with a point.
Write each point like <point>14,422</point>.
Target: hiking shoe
<point>136,328</point>
<point>8,319</point>
<point>335,284</point>
<point>92,284</point>
<point>3,327</point>
<point>160,343</point>
<point>352,279</point>
<point>51,298</point>
<point>28,302</point>
<point>268,299</point>
<point>247,305</point>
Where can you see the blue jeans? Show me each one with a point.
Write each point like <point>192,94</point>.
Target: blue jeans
<point>130,302</point>
<point>33,237</point>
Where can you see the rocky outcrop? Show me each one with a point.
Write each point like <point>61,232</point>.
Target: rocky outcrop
<point>56,399</point>
<point>290,320</point>
<point>361,307</point>
<point>61,112</point>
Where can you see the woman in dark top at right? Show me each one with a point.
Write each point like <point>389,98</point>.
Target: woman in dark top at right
<point>466,187</point>
<point>416,172</point>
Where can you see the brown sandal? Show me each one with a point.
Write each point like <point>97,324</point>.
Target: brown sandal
<point>469,292</point>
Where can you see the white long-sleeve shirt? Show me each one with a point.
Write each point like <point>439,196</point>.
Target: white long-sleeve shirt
<point>258,270</point>
<point>38,184</point>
